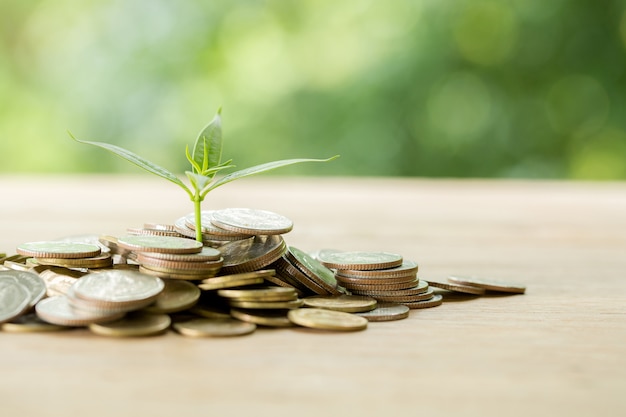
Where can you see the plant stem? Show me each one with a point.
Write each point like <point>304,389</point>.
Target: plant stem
<point>197,202</point>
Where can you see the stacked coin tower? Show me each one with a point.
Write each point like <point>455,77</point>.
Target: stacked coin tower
<point>241,276</point>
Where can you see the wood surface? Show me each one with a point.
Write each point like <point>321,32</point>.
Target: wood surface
<point>558,350</point>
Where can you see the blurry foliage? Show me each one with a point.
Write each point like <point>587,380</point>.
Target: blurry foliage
<point>464,88</point>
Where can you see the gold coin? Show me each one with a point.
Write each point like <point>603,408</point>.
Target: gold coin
<point>169,273</point>
<point>435,301</point>
<point>30,323</point>
<point>176,296</point>
<point>260,294</point>
<point>282,283</point>
<point>317,318</point>
<point>16,266</point>
<point>387,312</point>
<point>365,288</point>
<point>489,284</point>
<point>209,312</point>
<point>262,305</point>
<point>360,260</point>
<point>346,303</point>
<point>101,261</point>
<point>163,265</point>
<point>208,285</point>
<point>57,310</point>
<point>420,288</point>
<point>251,221</point>
<point>288,271</point>
<point>457,287</point>
<point>164,244</point>
<point>313,269</point>
<point>56,249</point>
<point>269,318</point>
<point>133,324</point>
<point>405,298</point>
<point>408,268</point>
<point>14,299</point>
<point>375,281</point>
<point>205,327</point>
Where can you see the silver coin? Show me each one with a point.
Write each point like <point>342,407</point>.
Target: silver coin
<point>252,221</point>
<point>14,299</point>
<point>360,260</point>
<point>57,310</point>
<point>31,281</point>
<point>118,286</point>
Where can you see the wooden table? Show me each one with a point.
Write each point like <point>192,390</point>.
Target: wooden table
<point>560,349</point>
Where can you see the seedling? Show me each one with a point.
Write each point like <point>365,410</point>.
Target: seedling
<point>206,162</point>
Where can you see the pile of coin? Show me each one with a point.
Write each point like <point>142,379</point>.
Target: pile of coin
<point>241,276</point>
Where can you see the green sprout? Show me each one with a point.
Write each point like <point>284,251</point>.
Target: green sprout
<point>206,162</point>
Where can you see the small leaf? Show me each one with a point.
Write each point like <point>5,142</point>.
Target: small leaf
<point>137,160</point>
<point>257,169</point>
<point>198,181</point>
<point>193,163</point>
<point>208,147</point>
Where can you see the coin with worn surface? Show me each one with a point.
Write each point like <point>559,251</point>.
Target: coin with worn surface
<point>205,327</point>
<point>408,268</point>
<point>164,244</point>
<point>489,284</point>
<point>14,299</point>
<point>387,312</point>
<point>435,301</point>
<point>118,287</point>
<point>450,286</point>
<point>318,318</point>
<point>252,221</point>
<point>262,305</point>
<point>133,325</point>
<point>176,296</point>
<point>346,303</point>
<point>52,249</point>
<point>30,323</point>
<point>57,310</point>
<point>269,318</point>
<point>312,268</point>
<point>31,281</point>
<point>357,260</point>
<point>260,294</point>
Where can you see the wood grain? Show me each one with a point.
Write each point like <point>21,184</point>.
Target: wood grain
<point>560,349</point>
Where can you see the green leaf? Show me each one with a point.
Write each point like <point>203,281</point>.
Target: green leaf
<point>257,169</point>
<point>137,160</point>
<point>207,151</point>
<point>198,181</point>
<point>193,163</point>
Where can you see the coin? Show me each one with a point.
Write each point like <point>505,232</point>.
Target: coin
<point>251,254</point>
<point>420,288</point>
<point>208,285</point>
<point>210,312</point>
<point>57,310</point>
<point>205,255</point>
<point>118,287</point>
<point>133,324</point>
<point>33,283</point>
<point>489,284</point>
<point>164,244</point>
<point>206,217</point>
<point>467,289</point>
<point>14,299</point>
<point>176,266</point>
<point>252,221</point>
<point>317,318</point>
<point>205,327</point>
<point>293,275</point>
<point>377,281</point>
<point>101,261</point>
<point>386,312</point>
<point>168,273</point>
<point>176,296</point>
<point>408,268</point>
<point>313,269</point>
<point>357,260</point>
<point>262,305</point>
<point>51,249</point>
<point>435,301</point>
<point>346,303</point>
<point>29,323</point>
<point>260,294</point>
<point>269,318</point>
<point>135,231</point>
<point>401,298</point>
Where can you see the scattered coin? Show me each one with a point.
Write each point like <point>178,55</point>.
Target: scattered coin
<point>317,318</point>
<point>313,269</point>
<point>387,312</point>
<point>451,286</point>
<point>133,324</point>
<point>57,310</point>
<point>435,301</point>
<point>360,260</point>
<point>30,323</point>
<point>51,249</point>
<point>205,327</point>
<point>489,284</point>
<point>33,283</point>
<point>251,221</point>
<point>14,299</point>
<point>209,285</point>
<point>260,294</point>
<point>346,303</point>
<point>269,318</point>
<point>262,305</point>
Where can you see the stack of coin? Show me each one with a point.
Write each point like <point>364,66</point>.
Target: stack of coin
<point>66,254</point>
<point>211,235</point>
<point>153,229</point>
<point>384,276</point>
<point>171,257</point>
<point>267,306</point>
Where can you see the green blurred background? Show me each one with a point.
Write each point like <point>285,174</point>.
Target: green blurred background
<point>442,88</point>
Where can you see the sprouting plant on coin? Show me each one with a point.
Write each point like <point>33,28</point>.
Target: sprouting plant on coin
<point>206,161</point>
